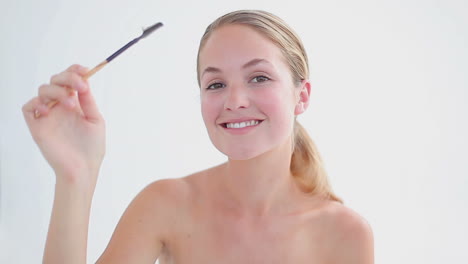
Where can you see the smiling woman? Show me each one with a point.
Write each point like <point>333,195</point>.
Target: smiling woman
<point>292,63</point>
<point>269,203</point>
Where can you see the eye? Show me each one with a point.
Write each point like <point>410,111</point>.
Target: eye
<point>259,79</point>
<point>215,86</point>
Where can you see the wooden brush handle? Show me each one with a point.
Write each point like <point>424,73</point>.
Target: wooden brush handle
<point>95,69</point>
<point>87,75</point>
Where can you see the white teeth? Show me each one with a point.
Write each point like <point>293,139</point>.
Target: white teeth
<point>242,124</point>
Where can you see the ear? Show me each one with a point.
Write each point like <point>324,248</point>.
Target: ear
<point>303,97</point>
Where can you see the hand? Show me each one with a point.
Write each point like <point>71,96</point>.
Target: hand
<point>71,134</point>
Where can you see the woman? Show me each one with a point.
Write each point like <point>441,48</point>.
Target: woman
<point>269,203</point>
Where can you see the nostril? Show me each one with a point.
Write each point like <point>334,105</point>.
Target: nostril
<point>236,101</point>
<point>235,107</point>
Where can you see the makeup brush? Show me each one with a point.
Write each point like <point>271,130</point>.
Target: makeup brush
<point>145,33</point>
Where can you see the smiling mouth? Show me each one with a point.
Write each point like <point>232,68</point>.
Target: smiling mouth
<point>241,124</point>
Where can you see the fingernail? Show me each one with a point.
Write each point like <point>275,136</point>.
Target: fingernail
<point>83,70</point>
<point>37,114</point>
<point>40,110</point>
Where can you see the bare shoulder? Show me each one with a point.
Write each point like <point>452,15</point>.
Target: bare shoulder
<point>345,220</point>
<point>178,190</point>
<point>173,190</point>
<point>147,223</point>
<point>349,235</point>
<point>171,195</point>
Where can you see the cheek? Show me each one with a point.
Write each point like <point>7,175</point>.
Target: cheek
<point>277,104</point>
<point>209,109</point>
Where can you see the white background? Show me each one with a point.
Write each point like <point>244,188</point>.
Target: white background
<point>388,113</point>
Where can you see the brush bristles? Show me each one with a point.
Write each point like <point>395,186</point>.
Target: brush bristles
<point>151,29</point>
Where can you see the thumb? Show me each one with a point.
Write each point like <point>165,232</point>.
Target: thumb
<point>85,97</point>
<point>88,104</point>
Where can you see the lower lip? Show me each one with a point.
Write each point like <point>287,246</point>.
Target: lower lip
<point>240,131</point>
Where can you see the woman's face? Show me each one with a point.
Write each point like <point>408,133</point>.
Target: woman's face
<point>248,99</point>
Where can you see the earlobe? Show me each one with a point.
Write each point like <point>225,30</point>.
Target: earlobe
<point>299,108</point>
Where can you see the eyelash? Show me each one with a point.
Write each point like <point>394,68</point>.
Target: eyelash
<point>261,76</point>
<point>211,86</point>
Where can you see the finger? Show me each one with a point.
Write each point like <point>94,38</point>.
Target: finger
<point>86,100</point>
<point>79,69</point>
<point>33,109</point>
<point>69,79</point>
<point>88,105</point>
<point>50,92</point>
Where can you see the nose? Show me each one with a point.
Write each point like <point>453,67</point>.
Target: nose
<point>237,97</point>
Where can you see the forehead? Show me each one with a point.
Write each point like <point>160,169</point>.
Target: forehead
<point>236,44</point>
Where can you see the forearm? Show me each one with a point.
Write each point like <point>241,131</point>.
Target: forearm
<point>68,229</point>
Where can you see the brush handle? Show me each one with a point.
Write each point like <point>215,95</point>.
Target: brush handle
<point>87,75</point>
<point>95,69</point>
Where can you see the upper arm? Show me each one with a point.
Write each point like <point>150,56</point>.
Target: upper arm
<point>139,235</point>
<point>353,239</point>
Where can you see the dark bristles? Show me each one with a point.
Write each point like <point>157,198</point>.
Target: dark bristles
<point>151,29</point>
<point>146,32</point>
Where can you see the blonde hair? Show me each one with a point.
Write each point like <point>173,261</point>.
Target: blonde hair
<point>306,165</point>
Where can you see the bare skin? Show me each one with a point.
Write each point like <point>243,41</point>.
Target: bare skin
<point>305,232</point>
<point>247,210</point>
<point>201,225</point>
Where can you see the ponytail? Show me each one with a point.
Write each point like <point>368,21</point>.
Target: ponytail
<point>307,166</point>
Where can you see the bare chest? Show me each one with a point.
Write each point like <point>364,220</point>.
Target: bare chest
<point>218,239</point>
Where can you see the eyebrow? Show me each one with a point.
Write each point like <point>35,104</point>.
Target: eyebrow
<point>247,65</point>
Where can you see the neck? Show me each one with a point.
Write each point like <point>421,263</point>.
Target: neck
<point>259,186</point>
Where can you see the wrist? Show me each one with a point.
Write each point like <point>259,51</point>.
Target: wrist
<point>79,180</point>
